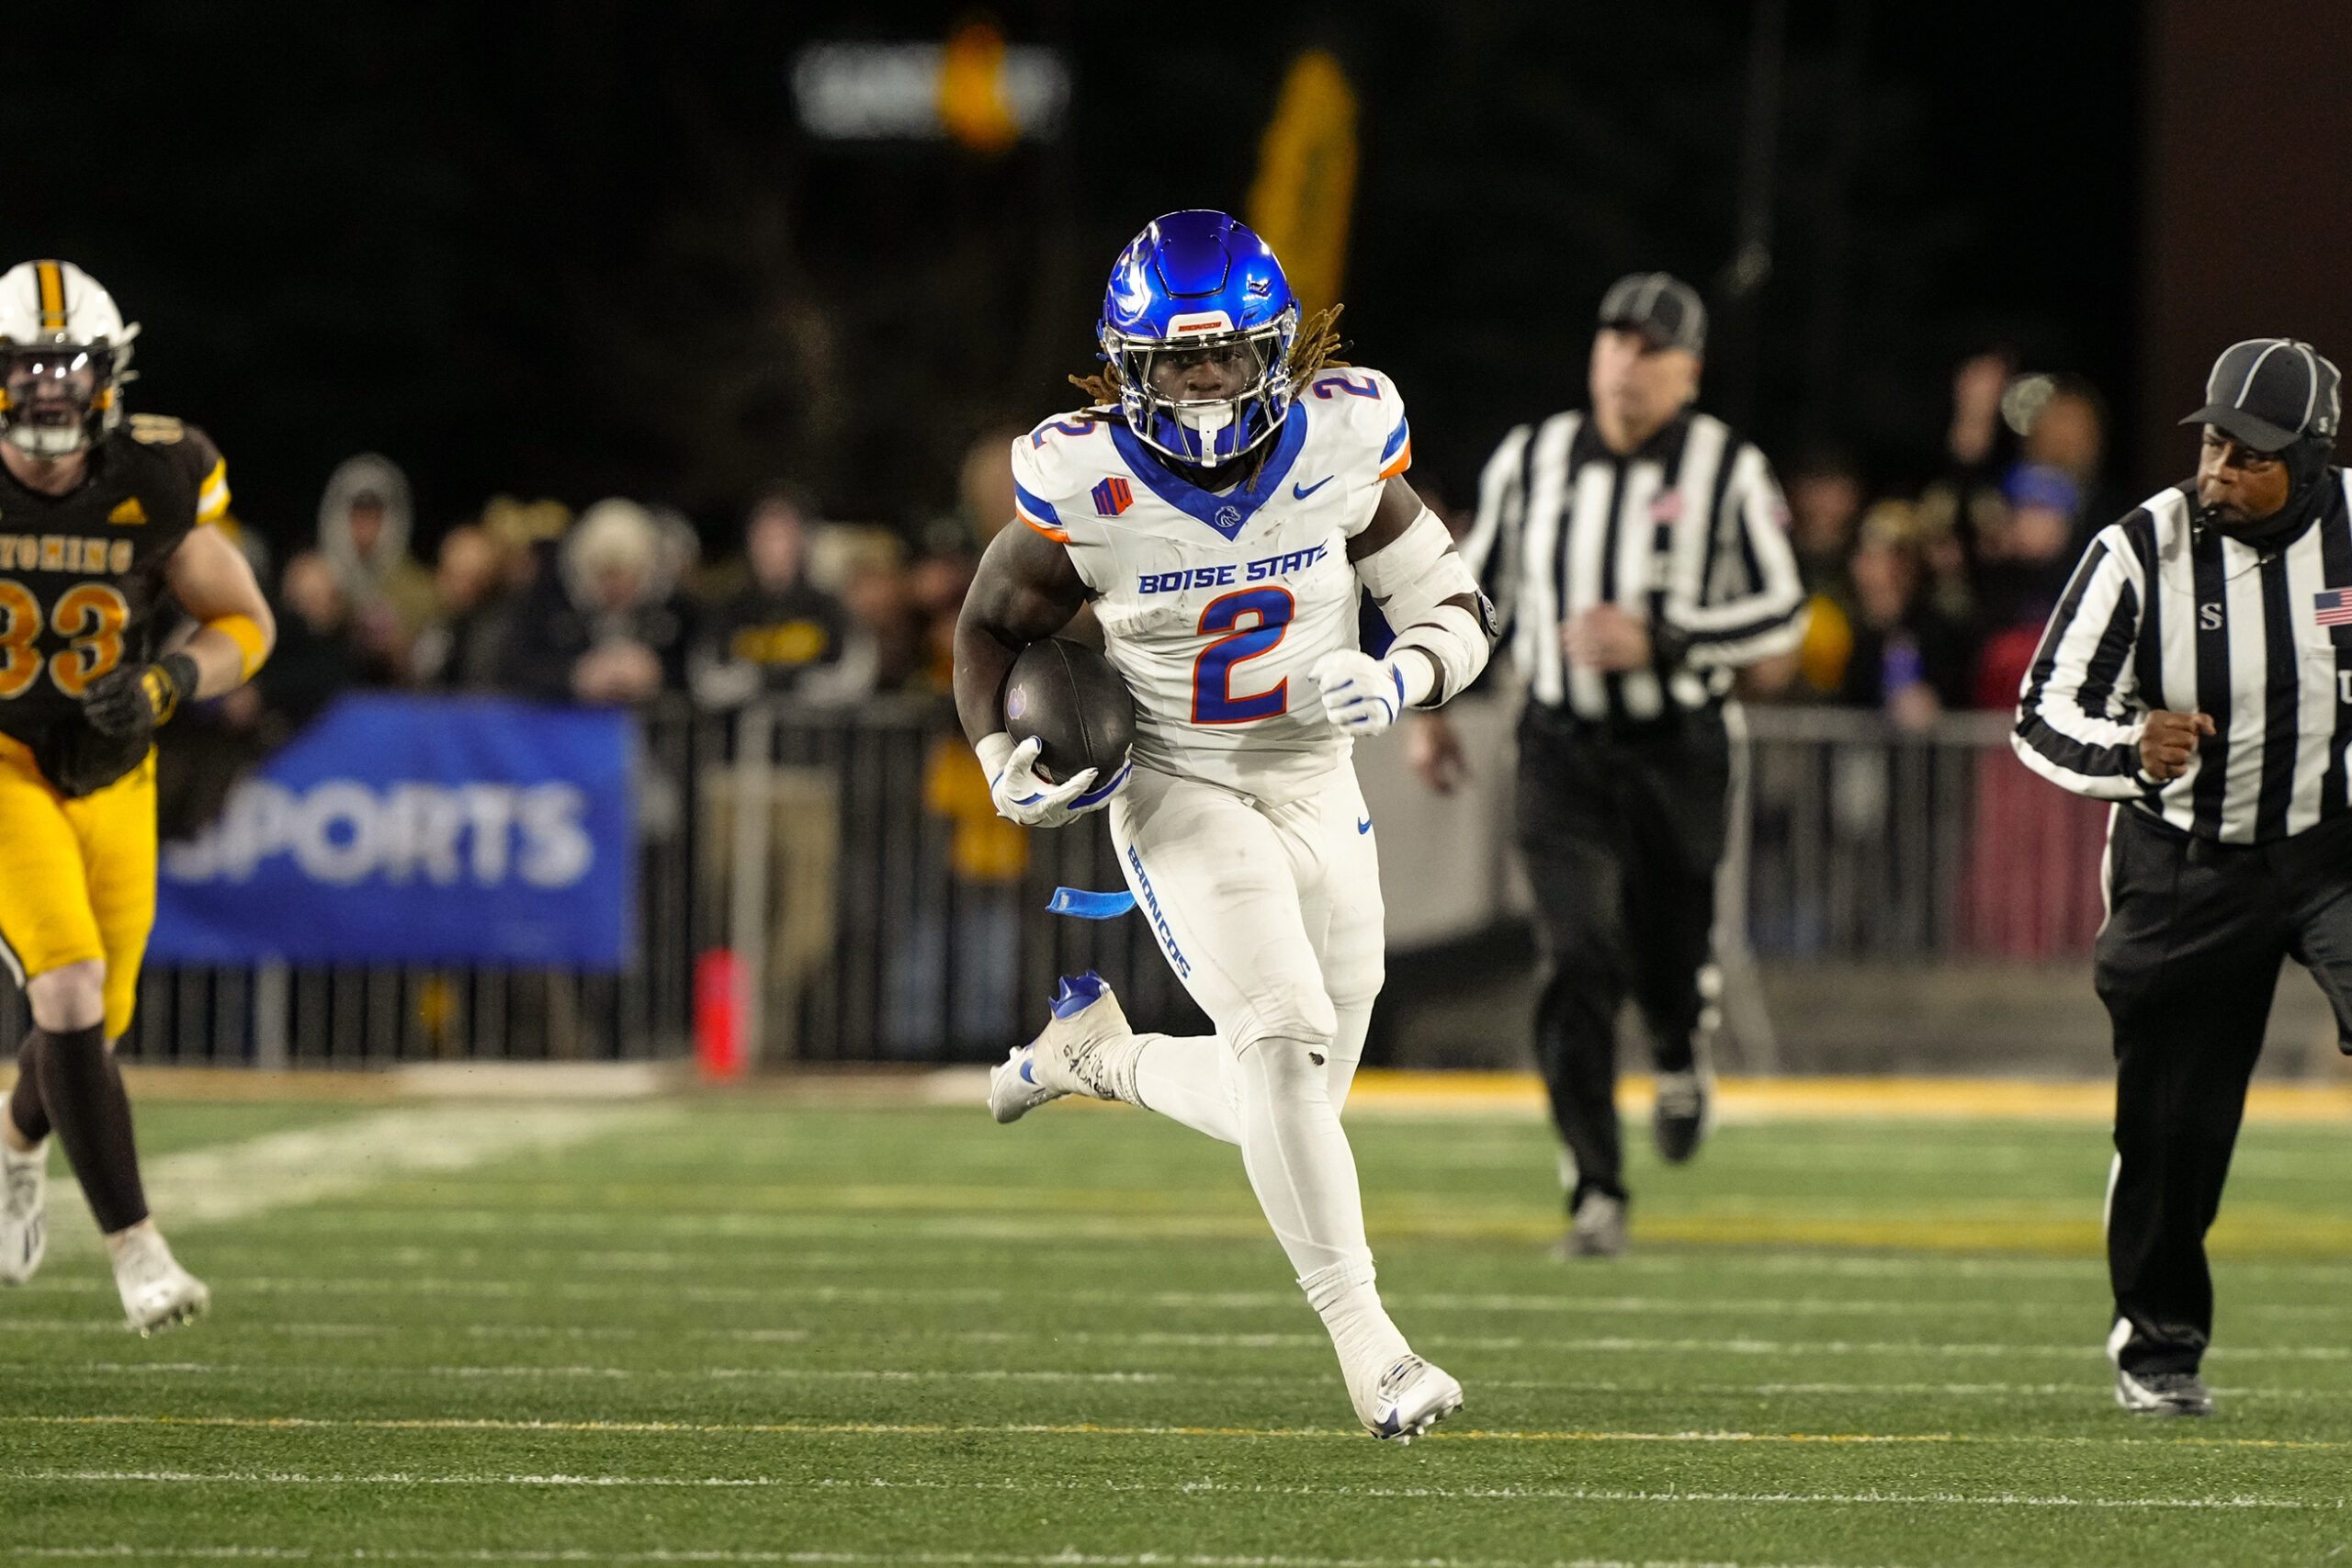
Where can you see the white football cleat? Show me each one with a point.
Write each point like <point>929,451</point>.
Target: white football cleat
<point>1409,1398</point>
<point>23,1212</point>
<point>1067,1058</point>
<point>156,1292</point>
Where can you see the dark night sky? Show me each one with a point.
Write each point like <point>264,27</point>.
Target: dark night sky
<point>581,248</point>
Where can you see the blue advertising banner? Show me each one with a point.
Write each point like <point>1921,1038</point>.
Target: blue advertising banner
<point>404,829</point>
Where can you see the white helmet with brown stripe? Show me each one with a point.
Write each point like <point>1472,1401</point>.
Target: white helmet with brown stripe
<point>67,354</point>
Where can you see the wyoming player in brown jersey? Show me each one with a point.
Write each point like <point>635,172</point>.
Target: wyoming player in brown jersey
<point>105,550</point>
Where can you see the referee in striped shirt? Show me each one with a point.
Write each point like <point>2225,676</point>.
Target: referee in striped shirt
<point>1638,554</point>
<point>2199,671</point>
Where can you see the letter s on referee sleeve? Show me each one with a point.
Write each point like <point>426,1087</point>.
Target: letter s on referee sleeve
<point>2069,728</point>
<point>1741,628</point>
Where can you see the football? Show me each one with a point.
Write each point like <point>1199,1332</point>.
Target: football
<point>1069,697</point>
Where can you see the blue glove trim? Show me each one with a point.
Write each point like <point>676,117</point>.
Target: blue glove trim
<point>1102,793</point>
<point>1016,800</point>
<point>1085,906</point>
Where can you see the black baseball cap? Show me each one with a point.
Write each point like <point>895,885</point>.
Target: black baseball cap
<point>1660,306</point>
<point>2270,392</point>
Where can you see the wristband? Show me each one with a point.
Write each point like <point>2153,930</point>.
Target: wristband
<point>993,751</point>
<point>246,632</point>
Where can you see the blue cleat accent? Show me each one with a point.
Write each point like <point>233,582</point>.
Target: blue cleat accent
<point>1078,992</point>
<point>1071,1055</point>
<point>1412,1397</point>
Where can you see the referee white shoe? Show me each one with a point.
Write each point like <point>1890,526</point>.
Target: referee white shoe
<point>1406,1400</point>
<point>23,1212</point>
<point>1067,1056</point>
<point>1597,1230</point>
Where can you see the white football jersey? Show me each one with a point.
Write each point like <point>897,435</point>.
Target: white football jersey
<point>1214,607</point>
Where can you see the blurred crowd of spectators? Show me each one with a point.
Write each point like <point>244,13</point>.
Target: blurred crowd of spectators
<point>1921,602</point>
<point>1929,601</point>
<point>615,605</point>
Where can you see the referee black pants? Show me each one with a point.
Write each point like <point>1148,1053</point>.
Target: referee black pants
<point>1620,830</point>
<point>2187,965</point>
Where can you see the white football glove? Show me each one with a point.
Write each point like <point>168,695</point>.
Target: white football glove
<point>1362,695</point>
<point>1021,797</point>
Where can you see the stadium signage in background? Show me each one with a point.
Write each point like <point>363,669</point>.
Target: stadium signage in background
<point>418,830</point>
<point>1304,194</point>
<point>975,89</point>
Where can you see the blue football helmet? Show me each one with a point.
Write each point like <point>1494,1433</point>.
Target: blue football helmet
<point>1192,283</point>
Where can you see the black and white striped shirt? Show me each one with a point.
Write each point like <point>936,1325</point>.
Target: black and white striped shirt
<point>2166,613</point>
<point>1689,534</point>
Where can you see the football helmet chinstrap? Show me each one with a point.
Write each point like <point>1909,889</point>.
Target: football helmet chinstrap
<point>65,354</point>
<point>1192,282</point>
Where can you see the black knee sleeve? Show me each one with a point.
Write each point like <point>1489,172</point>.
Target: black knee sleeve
<point>81,1087</point>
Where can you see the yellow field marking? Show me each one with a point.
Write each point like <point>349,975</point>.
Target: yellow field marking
<point>1827,1098</point>
<point>1377,1091</point>
<point>1089,1428</point>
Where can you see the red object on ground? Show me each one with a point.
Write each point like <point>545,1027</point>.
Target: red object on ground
<point>718,1017</point>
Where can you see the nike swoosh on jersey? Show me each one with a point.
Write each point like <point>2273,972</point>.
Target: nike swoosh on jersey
<point>1300,492</point>
<point>1364,825</point>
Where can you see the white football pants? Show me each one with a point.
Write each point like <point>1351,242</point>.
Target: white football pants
<point>1272,917</point>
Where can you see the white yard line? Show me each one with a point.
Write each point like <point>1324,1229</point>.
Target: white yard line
<point>235,1181</point>
<point>1482,1494</point>
<point>304,1424</point>
<point>840,1374</point>
<point>1171,1559</point>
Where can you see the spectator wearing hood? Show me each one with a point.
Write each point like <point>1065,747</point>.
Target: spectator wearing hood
<point>363,520</point>
<point>607,624</point>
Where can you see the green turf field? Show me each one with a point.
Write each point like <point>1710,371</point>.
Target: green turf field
<point>729,1332</point>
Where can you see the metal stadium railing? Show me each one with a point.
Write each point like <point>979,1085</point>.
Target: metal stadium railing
<point>1866,841</point>
<point>878,910</point>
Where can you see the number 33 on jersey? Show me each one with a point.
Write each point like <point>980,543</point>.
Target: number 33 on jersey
<point>80,574</point>
<point>1214,606</point>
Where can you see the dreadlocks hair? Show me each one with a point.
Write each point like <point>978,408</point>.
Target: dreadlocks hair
<point>1314,350</point>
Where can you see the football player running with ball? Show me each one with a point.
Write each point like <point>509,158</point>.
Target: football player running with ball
<point>1218,506</point>
<point>103,521</point>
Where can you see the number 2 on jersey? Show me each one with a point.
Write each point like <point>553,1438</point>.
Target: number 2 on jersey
<point>90,616</point>
<point>1213,699</point>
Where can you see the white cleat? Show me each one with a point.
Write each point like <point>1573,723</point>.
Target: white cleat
<point>1410,1398</point>
<point>156,1292</point>
<point>1066,1057</point>
<point>24,1213</point>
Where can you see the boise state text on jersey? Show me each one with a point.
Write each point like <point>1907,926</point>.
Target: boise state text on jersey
<point>1214,605</point>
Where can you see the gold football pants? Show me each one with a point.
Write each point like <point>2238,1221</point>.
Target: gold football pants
<point>78,877</point>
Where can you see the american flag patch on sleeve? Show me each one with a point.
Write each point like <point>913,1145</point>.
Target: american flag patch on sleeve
<point>2333,608</point>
